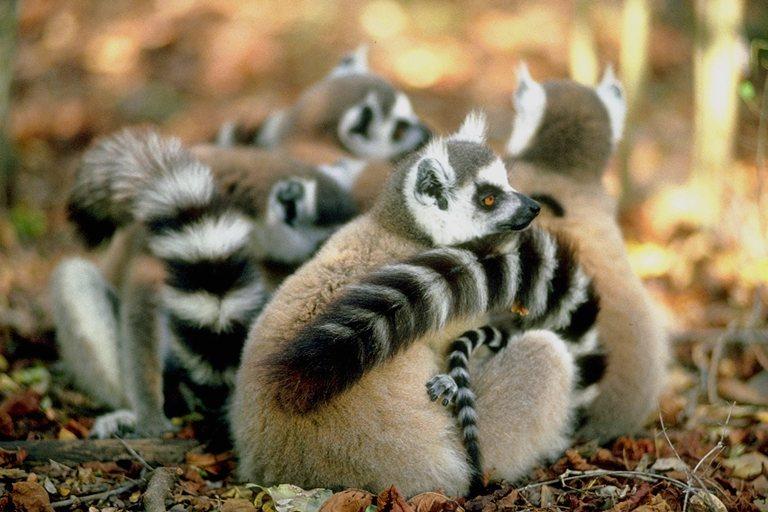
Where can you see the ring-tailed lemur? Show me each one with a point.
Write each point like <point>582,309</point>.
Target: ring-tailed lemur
<point>351,107</point>
<point>185,278</point>
<point>316,404</point>
<point>562,138</point>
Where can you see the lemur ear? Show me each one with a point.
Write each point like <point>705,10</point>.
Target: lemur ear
<point>611,93</point>
<point>355,62</point>
<point>530,101</point>
<point>529,92</point>
<point>472,129</point>
<point>432,183</point>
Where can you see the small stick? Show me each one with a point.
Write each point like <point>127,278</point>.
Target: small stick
<point>135,454</point>
<point>580,475</point>
<point>160,484</point>
<point>97,496</point>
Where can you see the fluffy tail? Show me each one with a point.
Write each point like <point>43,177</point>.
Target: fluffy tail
<point>397,304</point>
<point>213,289</point>
<point>111,174</point>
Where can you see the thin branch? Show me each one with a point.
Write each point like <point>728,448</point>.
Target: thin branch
<point>98,496</point>
<point>570,475</point>
<point>714,362</point>
<point>135,454</point>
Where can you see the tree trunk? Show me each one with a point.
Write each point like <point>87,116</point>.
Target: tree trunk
<point>583,52</point>
<point>716,76</point>
<point>8,17</point>
<point>636,28</point>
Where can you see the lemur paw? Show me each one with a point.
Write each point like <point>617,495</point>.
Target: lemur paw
<point>119,422</point>
<point>124,423</point>
<point>442,385</point>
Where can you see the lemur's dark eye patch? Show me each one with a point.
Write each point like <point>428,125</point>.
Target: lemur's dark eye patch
<point>488,196</point>
<point>363,122</point>
<point>401,128</point>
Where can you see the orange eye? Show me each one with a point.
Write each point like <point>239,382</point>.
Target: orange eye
<point>489,200</point>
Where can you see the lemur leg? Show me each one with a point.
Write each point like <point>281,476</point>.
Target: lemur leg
<point>87,330</point>
<point>141,344</point>
<point>524,405</point>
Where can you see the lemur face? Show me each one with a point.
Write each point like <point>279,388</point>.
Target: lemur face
<point>371,129</point>
<point>302,212</point>
<point>458,189</point>
<point>380,122</point>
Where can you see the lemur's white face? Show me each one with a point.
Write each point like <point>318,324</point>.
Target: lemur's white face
<point>369,132</point>
<point>458,189</point>
<point>375,128</point>
<point>303,212</point>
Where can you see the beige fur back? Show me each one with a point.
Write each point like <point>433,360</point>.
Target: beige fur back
<point>632,334</point>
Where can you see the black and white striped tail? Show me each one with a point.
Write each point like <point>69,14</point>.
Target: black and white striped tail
<point>111,173</point>
<point>456,387</point>
<point>213,289</point>
<point>397,304</point>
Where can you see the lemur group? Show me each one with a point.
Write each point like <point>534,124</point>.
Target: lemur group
<point>350,300</point>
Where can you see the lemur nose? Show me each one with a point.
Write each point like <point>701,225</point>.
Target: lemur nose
<point>535,208</point>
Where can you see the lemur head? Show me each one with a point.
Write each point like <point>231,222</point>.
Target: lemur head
<point>455,190</point>
<point>354,108</point>
<point>565,126</point>
<point>302,211</point>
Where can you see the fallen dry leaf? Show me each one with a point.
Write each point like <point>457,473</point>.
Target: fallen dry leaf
<point>392,501</point>
<point>434,502</point>
<point>237,505</point>
<point>657,504</point>
<point>30,497</point>
<point>706,502</point>
<point>747,466</point>
<point>669,464</point>
<point>351,500</point>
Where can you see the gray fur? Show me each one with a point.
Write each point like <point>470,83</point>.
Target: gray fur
<point>467,158</point>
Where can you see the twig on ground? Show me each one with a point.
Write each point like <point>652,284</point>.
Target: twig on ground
<point>98,496</point>
<point>712,395</point>
<point>160,484</point>
<point>135,454</point>
<point>161,452</point>
<point>692,474</point>
<point>595,473</point>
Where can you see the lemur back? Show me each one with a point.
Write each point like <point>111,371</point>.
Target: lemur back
<point>563,136</point>
<point>312,390</point>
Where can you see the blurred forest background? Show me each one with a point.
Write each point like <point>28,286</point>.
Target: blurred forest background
<point>691,174</point>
